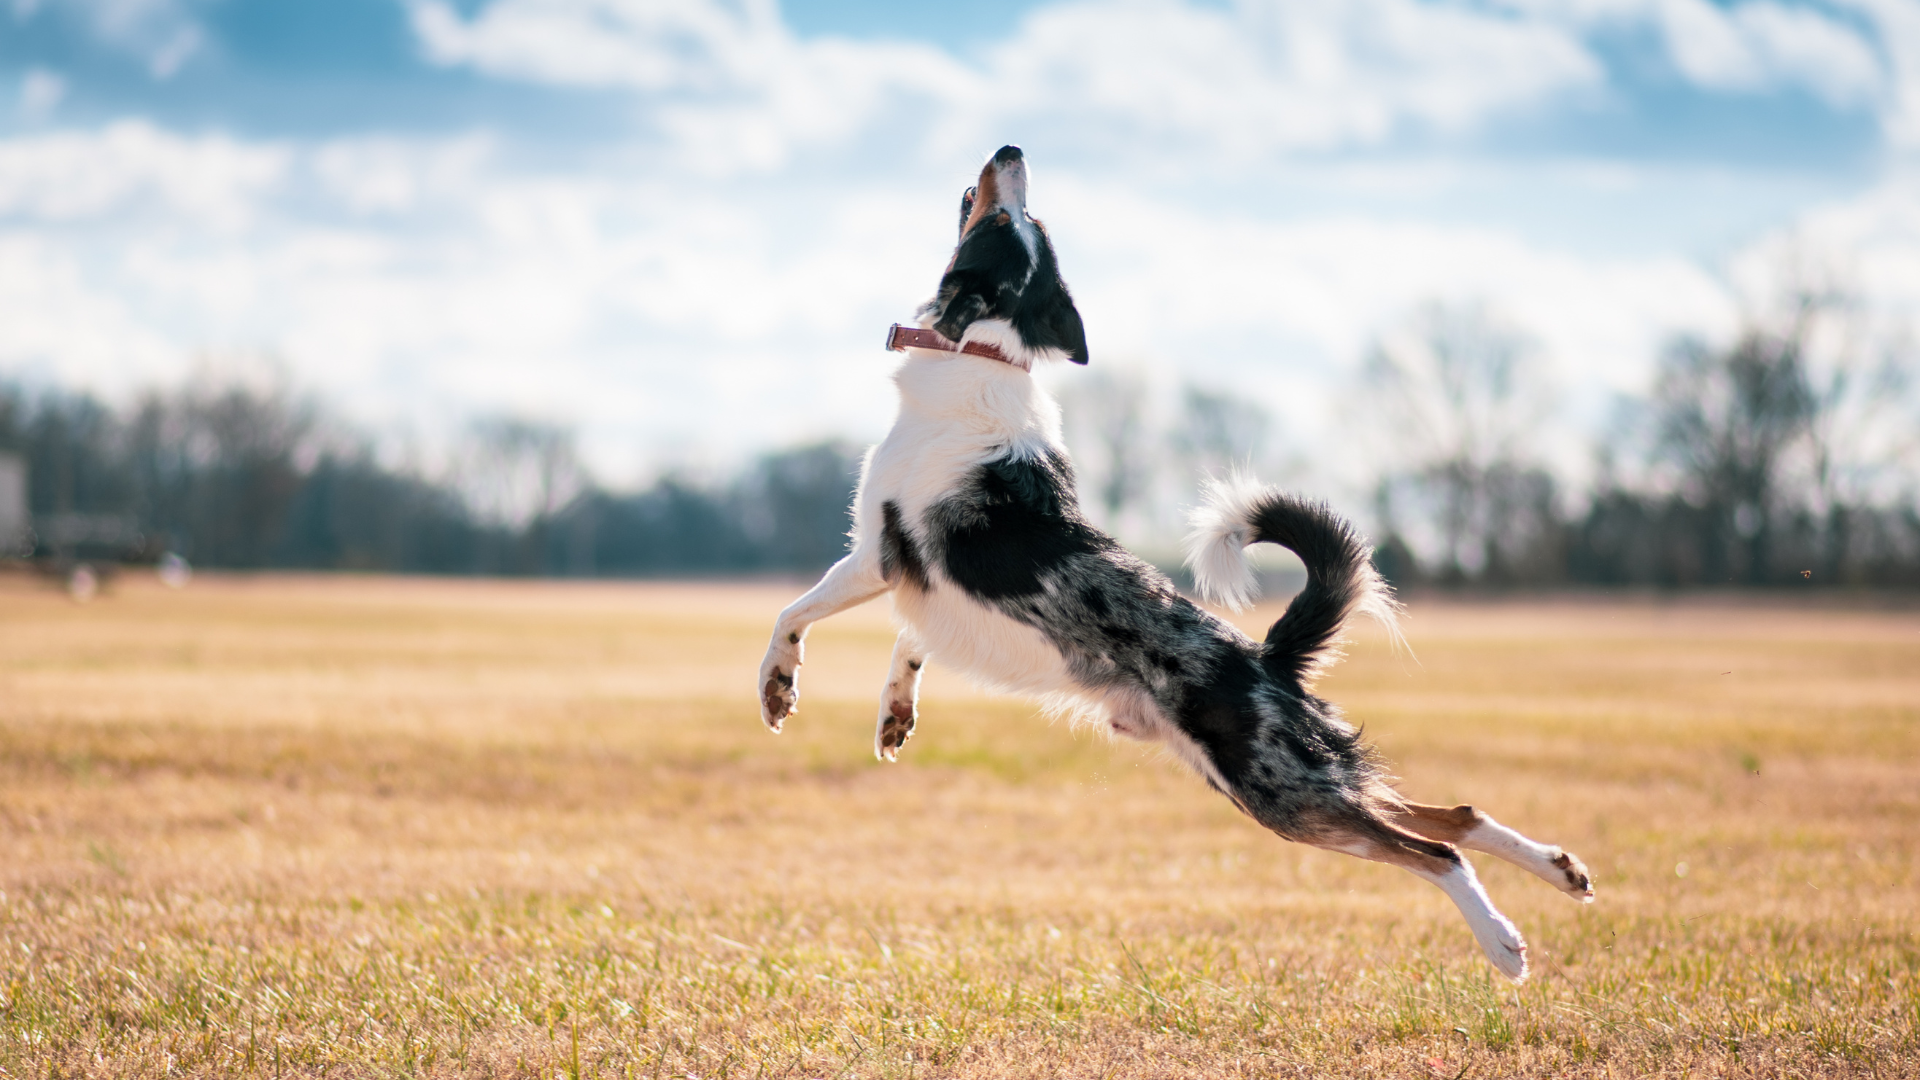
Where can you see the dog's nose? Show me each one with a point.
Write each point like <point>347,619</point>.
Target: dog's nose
<point>1007,155</point>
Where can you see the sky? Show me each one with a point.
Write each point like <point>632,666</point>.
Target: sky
<point>684,226</point>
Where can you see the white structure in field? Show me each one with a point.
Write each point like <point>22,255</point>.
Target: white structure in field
<point>13,502</point>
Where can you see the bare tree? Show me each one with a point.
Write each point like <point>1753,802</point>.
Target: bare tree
<point>517,471</point>
<point>1863,438</point>
<point>1107,414</point>
<point>794,504</point>
<point>1803,423</point>
<point>1457,399</point>
<point>1727,419</point>
<point>217,462</point>
<point>1217,432</point>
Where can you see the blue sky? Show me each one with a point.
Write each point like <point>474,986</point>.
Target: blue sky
<point>683,226</point>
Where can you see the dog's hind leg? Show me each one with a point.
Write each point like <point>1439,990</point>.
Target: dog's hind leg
<point>1475,831</point>
<point>853,580</point>
<point>899,702</point>
<point>1368,837</point>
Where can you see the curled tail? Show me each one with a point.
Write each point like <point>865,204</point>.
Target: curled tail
<point>1341,579</point>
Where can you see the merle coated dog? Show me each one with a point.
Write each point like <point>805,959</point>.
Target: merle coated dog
<point>967,514</point>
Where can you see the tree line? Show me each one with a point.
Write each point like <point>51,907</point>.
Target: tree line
<point>250,477</point>
<point>1789,455</point>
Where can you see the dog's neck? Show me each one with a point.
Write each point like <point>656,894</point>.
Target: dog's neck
<point>997,335</point>
<point>978,400</point>
<point>901,338</point>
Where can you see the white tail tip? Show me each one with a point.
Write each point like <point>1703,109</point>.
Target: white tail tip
<point>1216,546</point>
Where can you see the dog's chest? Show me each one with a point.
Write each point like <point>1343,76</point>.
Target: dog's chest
<point>955,415</point>
<point>916,467</point>
<point>952,422</point>
<point>965,632</point>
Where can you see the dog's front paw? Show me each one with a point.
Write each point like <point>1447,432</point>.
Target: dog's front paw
<point>779,699</point>
<point>897,717</point>
<point>779,691</point>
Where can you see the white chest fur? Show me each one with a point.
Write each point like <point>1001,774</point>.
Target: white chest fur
<point>957,412</point>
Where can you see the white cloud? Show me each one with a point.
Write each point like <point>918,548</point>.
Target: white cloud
<point>1869,245</point>
<point>731,81</point>
<point>1266,76</point>
<point>384,175</point>
<point>1755,46</point>
<point>421,281</point>
<point>70,175</point>
<point>1763,45</point>
<point>1899,24</point>
<point>713,297</point>
<point>1801,45</point>
<point>41,92</point>
<point>1283,309</point>
<point>164,34</point>
<point>1275,76</point>
<point>1256,79</point>
<point>640,44</point>
<point>59,326</point>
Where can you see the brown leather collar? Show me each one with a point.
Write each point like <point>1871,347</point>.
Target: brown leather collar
<point>901,338</point>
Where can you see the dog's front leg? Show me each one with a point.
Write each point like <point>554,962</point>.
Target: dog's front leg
<point>853,580</point>
<point>899,702</point>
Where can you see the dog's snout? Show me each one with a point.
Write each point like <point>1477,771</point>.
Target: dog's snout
<point>1008,169</point>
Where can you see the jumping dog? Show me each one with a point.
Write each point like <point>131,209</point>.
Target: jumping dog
<point>967,514</point>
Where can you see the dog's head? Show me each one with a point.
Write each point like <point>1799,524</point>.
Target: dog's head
<point>1003,283</point>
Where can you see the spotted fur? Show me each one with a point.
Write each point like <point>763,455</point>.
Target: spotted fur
<point>967,515</point>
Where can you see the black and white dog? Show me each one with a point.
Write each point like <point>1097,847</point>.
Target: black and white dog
<point>967,514</point>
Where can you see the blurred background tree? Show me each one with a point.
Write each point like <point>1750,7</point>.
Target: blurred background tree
<point>1105,416</point>
<point>1455,400</point>
<point>1788,455</point>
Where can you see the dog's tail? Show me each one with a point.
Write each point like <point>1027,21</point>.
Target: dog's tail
<point>1341,579</point>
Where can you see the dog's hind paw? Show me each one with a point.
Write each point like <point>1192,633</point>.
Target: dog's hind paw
<point>1579,883</point>
<point>1510,958</point>
<point>897,719</point>
<point>1504,947</point>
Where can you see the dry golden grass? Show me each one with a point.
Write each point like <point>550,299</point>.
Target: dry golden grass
<point>288,826</point>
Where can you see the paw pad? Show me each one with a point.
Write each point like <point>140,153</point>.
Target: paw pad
<point>895,729</point>
<point>778,697</point>
<point>1578,880</point>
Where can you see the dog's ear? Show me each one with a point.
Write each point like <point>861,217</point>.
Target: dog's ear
<point>1068,330</point>
<point>1048,319</point>
<point>966,207</point>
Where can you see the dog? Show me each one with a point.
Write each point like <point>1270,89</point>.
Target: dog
<point>966,513</point>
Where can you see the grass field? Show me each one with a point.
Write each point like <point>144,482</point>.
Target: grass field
<point>372,827</point>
